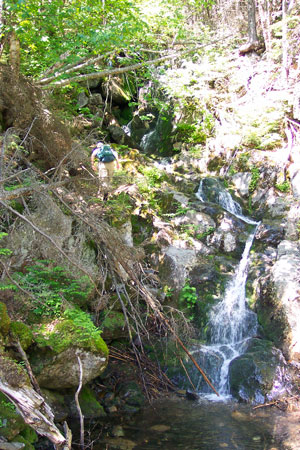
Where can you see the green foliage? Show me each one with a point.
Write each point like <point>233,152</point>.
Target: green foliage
<point>7,404</point>
<point>154,176</point>
<point>118,209</point>
<point>4,251</point>
<point>74,329</point>
<point>195,133</point>
<point>188,298</point>
<point>252,140</point>
<point>255,174</point>
<point>284,186</point>
<point>50,285</point>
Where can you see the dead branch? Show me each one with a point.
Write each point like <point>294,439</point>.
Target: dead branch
<point>34,410</point>
<point>102,230</point>
<point>36,187</point>
<point>78,404</point>
<point>28,367</point>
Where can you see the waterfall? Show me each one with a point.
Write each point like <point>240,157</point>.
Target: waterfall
<point>223,198</point>
<point>231,323</point>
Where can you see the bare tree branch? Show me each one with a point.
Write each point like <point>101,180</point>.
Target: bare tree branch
<point>78,404</point>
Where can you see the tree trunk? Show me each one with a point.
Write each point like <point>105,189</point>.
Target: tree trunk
<point>252,31</point>
<point>285,68</point>
<point>14,54</point>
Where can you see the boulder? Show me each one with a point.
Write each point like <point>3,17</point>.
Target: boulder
<point>258,374</point>
<point>119,135</point>
<point>279,307</point>
<point>60,343</point>
<point>62,371</point>
<point>242,182</point>
<point>175,265</point>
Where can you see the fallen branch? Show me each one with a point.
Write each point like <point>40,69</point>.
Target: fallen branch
<point>78,404</point>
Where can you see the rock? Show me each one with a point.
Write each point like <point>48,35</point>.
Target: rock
<point>114,89</point>
<point>62,370</point>
<point>176,262</point>
<point>294,171</point>
<point>111,409</point>
<point>270,235</point>
<point>56,401</point>
<point>118,431</point>
<point>242,182</point>
<point>11,445</point>
<point>113,326</point>
<point>119,136</point>
<point>286,283</point>
<point>60,343</point>
<point>120,443</point>
<point>82,100</point>
<point>258,374</point>
<point>90,407</point>
<point>138,128</point>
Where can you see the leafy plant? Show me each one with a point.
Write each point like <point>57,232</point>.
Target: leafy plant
<point>154,176</point>
<point>284,186</point>
<point>51,285</point>
<point>255,174</point>
<point>188,297</point>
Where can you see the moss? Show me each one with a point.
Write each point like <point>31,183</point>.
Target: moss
<point>29,434</point>
<point>11,423</point>
<point>28,445</point>
<point>67,332</point>
<point>23,333</point>
<point>4,319</point>
<point>13,373</point>
<point>90,407</point>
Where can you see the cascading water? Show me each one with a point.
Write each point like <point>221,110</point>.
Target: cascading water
<point>231,323</point>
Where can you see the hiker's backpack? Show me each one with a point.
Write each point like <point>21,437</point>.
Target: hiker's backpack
<point>105,154</point>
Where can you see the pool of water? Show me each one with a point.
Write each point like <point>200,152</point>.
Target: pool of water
<point>176,423</point>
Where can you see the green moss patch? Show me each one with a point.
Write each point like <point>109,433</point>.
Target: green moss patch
<point>74,329</point>
<point>4,319</point>
<point>23,333</point>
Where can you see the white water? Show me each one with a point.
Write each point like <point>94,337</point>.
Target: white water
<point>227,202</point>
<point>231,323</point>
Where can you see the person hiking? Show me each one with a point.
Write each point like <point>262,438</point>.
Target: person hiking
<point>104,159</point>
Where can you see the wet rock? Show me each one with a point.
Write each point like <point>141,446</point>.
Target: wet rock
<point>259,374</point>
<point>270,235</point>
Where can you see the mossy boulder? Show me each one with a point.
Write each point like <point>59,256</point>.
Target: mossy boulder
<point>259,374</point>
<point>22,332</point>
<point>4,319</point>
<point>61,343</point>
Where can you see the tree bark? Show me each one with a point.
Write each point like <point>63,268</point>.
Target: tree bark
<point>252,31</point>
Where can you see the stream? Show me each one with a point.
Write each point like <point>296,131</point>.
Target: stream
<point>175,423</point>
<point>212,422</point>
